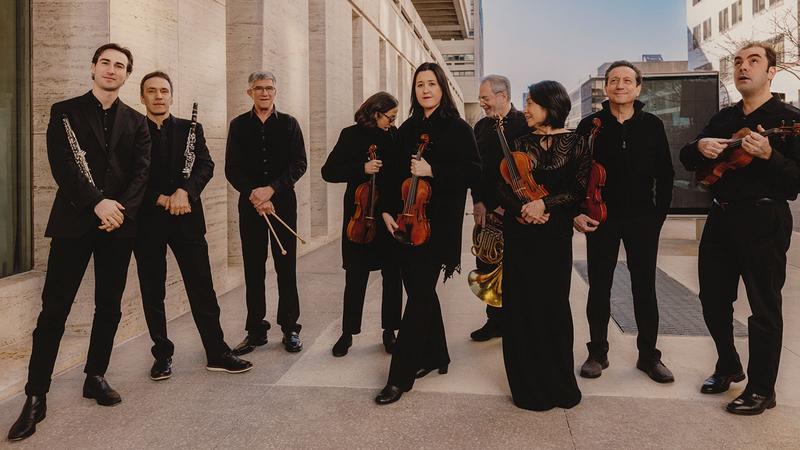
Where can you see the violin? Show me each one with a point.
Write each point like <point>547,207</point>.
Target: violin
<point>593,203</point>
<point>517,170</point>
<point>361,227</point>
<point>735,157</point>
<point>414,227</point>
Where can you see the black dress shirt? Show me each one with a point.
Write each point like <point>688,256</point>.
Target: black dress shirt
<point>777,178</point>
<point>270,153</point>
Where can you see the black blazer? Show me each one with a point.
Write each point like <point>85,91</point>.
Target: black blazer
<point>345,164</point>
<point>154,218</point>
<point>119,174</point>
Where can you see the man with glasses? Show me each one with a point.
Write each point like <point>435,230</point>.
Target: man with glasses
<point>265,157</point>
<point>494,96</point>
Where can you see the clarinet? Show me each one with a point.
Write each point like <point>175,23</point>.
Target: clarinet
<point>77,152</point>
<point>188,154</point>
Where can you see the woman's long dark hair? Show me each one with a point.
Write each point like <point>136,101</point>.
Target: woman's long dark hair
<point>447,108</point>
<point>380,102</point>
<point>551,96</point>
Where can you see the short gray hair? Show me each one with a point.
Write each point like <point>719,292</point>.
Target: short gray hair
<point>261,75</point>
<point>498,83</point>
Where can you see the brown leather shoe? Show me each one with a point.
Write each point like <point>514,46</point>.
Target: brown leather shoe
<point>656,370</point>
<point>593,367</point>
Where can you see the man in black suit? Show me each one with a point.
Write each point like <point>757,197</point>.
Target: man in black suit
<point>264,158</point>
<point>172,214</point>
<point>92,215</point>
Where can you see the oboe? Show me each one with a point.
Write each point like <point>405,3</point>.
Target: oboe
<point>188,154</point>
<point>77,152</point>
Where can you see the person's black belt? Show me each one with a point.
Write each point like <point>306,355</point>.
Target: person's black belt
<point>726,206</point>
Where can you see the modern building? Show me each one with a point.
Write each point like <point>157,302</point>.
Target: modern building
<point>328,56</point>
<point>715,27</point>
<point>457,28</point>
<point>683,100</point>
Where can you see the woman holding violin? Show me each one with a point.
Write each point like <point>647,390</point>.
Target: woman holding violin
<point>423,196</point>
<point>545,179</point>
<point>357,160</point>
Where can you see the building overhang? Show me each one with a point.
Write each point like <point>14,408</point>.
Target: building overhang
<point>445,19</point>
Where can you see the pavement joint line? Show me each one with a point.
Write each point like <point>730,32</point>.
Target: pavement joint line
<point>569,428</point>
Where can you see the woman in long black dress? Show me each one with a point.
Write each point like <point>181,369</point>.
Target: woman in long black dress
<point>537,260</point>
<point>450,163</point>
<point>349,163</point>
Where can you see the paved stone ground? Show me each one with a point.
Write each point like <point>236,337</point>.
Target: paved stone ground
<point>313,400</point>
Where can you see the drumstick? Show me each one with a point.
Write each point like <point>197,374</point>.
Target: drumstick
<point>288,228</point>
<point>283,251</point>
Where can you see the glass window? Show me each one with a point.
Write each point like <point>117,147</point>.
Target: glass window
<point>759,5</point>
<point>723,20</point>
<point>736,12</point>
<point>685,104</point>
<point>15,135</point>
<point>706,28</point>
<point>696,37</point>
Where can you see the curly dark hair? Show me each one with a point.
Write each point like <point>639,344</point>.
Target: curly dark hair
<point>380,102</point>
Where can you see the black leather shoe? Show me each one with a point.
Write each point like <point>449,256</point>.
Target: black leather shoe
<point>342,345</point>
<point>291,342</point>
<point>717,383</point>
<point>33,412</point>
<point>389,394</point>
<point>230,363</point>
<point>593,367</point>
<point>491,329</point>
<point>161,370</point>
<point>656,370</point>
<point>97,387</point>
<point>249,344</point>
<point>389,340</point>
<point>422,372</point>
<point>751,404</point>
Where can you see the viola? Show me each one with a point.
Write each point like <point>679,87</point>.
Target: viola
<point>517,170</point>
<point>361,227</point>
<point>414,227</point>
<point>735,157</point>
<point>593,203</point>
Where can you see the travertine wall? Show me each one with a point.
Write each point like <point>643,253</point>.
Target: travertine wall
<point>328,55</point>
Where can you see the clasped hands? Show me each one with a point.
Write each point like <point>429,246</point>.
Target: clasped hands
<point>261,198</point>
<point>176,204</point>
<point>534,212</point>
<point>754,143</point>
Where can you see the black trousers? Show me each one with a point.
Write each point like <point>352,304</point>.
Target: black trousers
<point>493,314</point>
<point>191,253</point>
<point>421,341</point>
<point>66,266</point>
<point>640,236</point>
<point>748,243</point>
<point>355,289</point>
<point>256,239</point>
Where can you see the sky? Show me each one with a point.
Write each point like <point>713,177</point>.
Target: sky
<point>566,40</point>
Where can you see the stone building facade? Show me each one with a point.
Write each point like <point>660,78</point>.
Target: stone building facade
<point>327,55</point>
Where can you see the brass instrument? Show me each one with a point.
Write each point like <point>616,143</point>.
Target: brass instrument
<point>487,245</point>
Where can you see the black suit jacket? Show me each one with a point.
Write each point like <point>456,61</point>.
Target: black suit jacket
<point>154,218</point>
<point>119,174</point>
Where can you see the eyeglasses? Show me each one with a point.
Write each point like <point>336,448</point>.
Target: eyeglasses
<point>389,118</point>
<point>263,89</point>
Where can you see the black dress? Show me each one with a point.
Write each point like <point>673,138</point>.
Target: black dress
<point>537,267</point>
<point>345,164</point>
<point>455,163</point>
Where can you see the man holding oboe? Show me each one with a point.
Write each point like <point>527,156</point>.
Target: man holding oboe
<point>172,215</point>
<point>264,158</point>
<point>99,153</point>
